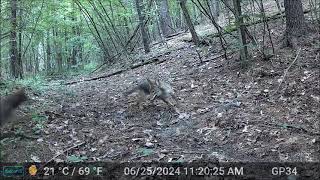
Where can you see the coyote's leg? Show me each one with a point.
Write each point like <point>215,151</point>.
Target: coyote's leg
<point>170,104</point>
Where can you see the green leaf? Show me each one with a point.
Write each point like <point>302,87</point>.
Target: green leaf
<point>74,158</point>
<point>285,125</point>
<point>145,151</point>
<point>180,160</point>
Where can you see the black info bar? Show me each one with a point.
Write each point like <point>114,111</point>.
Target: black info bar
<point>159,170</point>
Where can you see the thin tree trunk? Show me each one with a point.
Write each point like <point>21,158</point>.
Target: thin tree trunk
<point>19,59</point>
<point>94,31</point>
<point>126,24</point>
<point>36,60</point>
<point>164,17</point>
<point>0,41</point>
<point>143,30</point>
<point>58,50</point>
<point>177,18</point>
<point>80,46</point>
<point>74,33</point>
<point>193,32</point>
<point>278,5</point>
<point>48,63</point>
<point>241,32</point>
<point>13,39</point>
<point>215,8</point>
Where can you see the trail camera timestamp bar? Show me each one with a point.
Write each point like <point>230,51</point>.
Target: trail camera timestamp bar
<point>187,171</point>
<point>127,170</point>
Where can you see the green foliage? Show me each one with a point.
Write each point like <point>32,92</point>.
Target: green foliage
<point>40,121</point>
<point>145,151</point>
<point>90,67</point>
<point>36,83</point>
<point>230,28</point>
<point>80,69</point>
<point>180,160</point>
<point>76,158</point>
<point>7,86</point>
<point>253,15</point>
<point>38,118</point>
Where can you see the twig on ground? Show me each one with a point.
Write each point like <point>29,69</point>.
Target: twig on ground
<point>68,149</point>
<point>285,73</point>
<point>270,124</point>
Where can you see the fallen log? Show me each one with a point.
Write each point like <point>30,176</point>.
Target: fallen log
<point>152,60</point>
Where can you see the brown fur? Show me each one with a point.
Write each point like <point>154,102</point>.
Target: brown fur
<point>10,103</point>
<point>156,90</point>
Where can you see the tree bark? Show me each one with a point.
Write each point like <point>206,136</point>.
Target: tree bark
<point>241,32</point>
<point>215,8</point>
<point>193,32</point>
<point>295,20</point>
<point>165,19</point>
<point>0,41</point>
<point>48,63</point>
<point>13,39</point>
<point>36,60</point>
<point>278,5</point>
<point>19,59</point>
<point>145,39</point>
<point>74,50</point>
<point>58,49</point>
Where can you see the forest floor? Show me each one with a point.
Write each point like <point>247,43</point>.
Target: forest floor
<point>226,113</point>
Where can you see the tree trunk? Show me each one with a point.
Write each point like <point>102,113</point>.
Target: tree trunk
<point>58,50</point>
<point>74,50</point>
<point>165,19</point>
<point>241,32</point>
<point>48,63</point>
<point>0,42</point>
<point>145,39</point>
<point>19,59</point>
<point>13,39</point>
<point>30,60</point>
<point>296,25</point>
<point>193,32</point>
<point>177,18</point>
<point>193,13</point>
<point>278,6</point>
<point>79,34</point>
<point>156,31</point>
<point>215,8</point>
<point>126,24</point>
<point>36,60</point>
<point>66,52</point>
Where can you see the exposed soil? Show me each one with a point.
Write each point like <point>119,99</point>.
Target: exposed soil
<point>226,113</point>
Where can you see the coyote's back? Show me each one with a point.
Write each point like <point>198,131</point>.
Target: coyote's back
<point>155,89</point>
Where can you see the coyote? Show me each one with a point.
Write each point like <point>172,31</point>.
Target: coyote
<point>156,90</point>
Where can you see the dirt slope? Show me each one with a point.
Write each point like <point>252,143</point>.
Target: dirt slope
<point>226,113</point>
